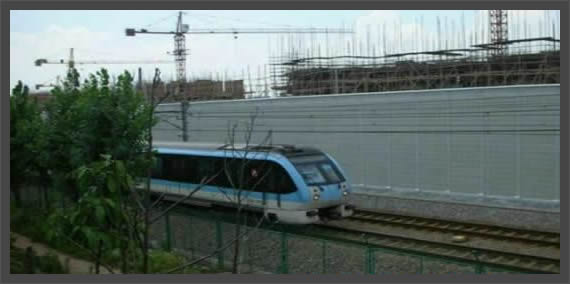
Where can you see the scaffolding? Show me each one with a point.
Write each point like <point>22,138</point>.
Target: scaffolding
<point>525,61</point>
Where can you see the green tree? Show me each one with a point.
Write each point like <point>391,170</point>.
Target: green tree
<point>93,119</point>
<point>25,139</point>
<point>97,141</point>
<point>63,112</point>
<point>99,221</point>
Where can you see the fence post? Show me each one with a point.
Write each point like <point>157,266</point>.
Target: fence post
<point>219,244</point>
<point>324,256</point>
<point>184,240</point>
<point>370,260</point>
<point>168,233</point>
<point>479,269</point>
<point>184,109</point>
<point>284,254</point>
<point>191,236</point>
<point>29,263</point>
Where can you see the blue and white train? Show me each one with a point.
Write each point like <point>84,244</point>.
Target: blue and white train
<point>294,185</point>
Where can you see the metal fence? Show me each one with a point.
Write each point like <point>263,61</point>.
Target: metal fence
<point>278,251</point>
<point>269,249</point>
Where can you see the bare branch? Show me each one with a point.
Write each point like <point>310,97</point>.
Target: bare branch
<point>157,200</point>
<point>137,198</point>
<point>171,124</point>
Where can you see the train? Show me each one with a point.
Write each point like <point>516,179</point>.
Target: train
<point>286,183</point>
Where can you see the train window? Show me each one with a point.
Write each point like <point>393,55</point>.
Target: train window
<point>329,172</point>
<point>258,175</point>
<point>267,176</point>
<point>311,173</point>
<point>282,181</point>
<point>317,170</point>
<point>226,170</point>
<point>174,168</point>
<point>168,167</point>
<point>178,168</point>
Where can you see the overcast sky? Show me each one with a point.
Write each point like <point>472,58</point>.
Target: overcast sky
<point>100,35</point>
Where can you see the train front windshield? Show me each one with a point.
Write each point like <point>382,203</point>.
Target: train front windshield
<point>317,170</point>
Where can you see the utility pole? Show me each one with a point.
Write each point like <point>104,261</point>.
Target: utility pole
<point>139,85</point>
<point>184,110</point>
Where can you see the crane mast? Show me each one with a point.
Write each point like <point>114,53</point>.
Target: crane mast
<point>180,53</point>
<point>498,30</point>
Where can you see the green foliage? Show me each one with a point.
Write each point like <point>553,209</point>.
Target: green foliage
<point>97,217</point>
<point>162,261</point>
<point>89,146</point>
<point>94,119</point>
<point>26,140</point>
<point>92,143</point>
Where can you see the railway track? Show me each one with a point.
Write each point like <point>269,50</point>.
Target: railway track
<point>512,249</point>
<point>543,239</point>
<point>521,250</point>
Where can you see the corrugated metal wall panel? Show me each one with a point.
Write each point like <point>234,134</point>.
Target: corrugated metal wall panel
<point>465,141</point>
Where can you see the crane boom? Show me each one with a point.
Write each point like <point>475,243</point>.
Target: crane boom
<point>132,32</point>
<point>40,62</point>
<point>71,63</point>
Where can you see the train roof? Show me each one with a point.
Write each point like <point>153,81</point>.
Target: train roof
<point>284,149</point>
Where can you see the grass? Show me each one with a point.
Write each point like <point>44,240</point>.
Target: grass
<point>29,223</point>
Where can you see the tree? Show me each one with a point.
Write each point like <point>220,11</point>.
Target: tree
<point>96,223</point>
<point>93,119</point>
<point>62,114</point>
<point>25,139</point>
<point>97,144</point>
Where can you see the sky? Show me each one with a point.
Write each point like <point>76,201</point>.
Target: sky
<point>100,35</point>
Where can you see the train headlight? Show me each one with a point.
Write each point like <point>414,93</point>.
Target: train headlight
<point>316,197</point>
<point>345,193</point>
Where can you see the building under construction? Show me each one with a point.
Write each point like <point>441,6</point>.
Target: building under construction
<point>199,90</point>
<point>523,61</point>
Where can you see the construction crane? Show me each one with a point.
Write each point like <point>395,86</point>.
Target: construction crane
<point>71,62</point>
<point>183,29</point>
<point>498,30</point>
